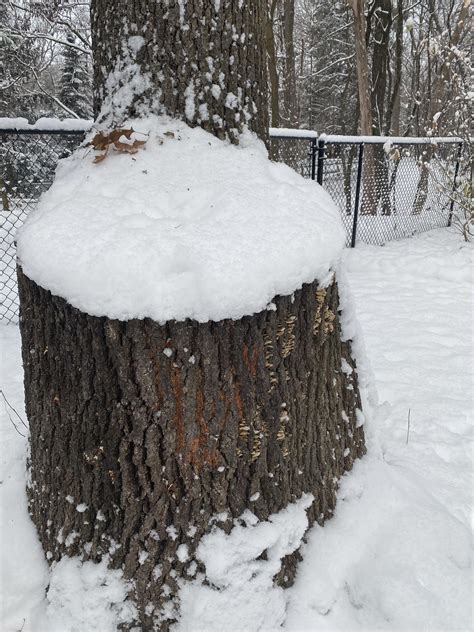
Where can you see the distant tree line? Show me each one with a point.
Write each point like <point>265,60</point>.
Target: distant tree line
<point>45,66</point>
<point>396,67</point>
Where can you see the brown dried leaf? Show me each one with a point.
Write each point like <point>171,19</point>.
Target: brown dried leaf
<point>100,141</point>
<point>125,148</point>
<point>116,134</point>
<point>103,140</point>
<point>139,143</point>
<point>100,157</point>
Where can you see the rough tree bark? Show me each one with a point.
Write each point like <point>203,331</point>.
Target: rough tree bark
<point>272,73</point>
<point>368,206</point>
<point>272,64</point>
<point>290,102</point>
<point>200,61</point>
<point>141,433</point>
<point>152,445</point>
<point>382,19</point>
<point>362,66</point>
<point>392,117</point>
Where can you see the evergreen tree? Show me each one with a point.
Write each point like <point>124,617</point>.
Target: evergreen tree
<point>75,84</point>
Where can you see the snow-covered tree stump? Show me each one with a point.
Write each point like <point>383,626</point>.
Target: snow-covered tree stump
<point>183,363</point>
<point>141,433</point>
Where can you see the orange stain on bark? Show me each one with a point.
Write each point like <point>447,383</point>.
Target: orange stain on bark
<point>178,408</point>
<point>250,361</point>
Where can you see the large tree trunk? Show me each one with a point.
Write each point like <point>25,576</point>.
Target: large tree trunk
<point>142,432</point>
<point>392,116</point>
<point>362,65</point>
<point>289,80</point>
<point>382,18</point>
<point>369,203</point>
<point>273,74</point>
<point>201,61</point>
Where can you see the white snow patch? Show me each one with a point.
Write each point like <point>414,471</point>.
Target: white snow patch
<point>135,43</point>
<point>397,554</point>
<point>71,537</point>
<point>232,101</point>
<point>182,553</point>
<point>122,86</point>
<point>172,532</point>
<point>216,91</point>
<point>85,596</point>
<point>346,367</point>
<point>190,105</point>
<point>191,228</point>
<point>241,586</point>
<point>203,112</point>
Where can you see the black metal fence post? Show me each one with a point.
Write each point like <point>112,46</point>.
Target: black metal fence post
<point>313,158</point>
<point>455,183</point>
<point>321,152</point>
<point>357,195</point>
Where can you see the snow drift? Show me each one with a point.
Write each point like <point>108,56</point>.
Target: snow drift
<point>189,227</point>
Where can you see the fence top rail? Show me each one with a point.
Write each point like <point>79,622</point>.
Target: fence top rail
<point>286,132</point>
<point>44,132</point>
<point>44,125</point>
<point>80,126</point>
<point>395,140</point>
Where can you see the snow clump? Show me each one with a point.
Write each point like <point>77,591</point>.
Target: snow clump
<point>189,227</point>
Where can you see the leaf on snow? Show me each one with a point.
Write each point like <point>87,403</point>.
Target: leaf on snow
<point>103,140</point>
<point>100,157</point>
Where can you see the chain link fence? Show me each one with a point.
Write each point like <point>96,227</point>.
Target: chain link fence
<point>385,190</point>
<point>28,160</point>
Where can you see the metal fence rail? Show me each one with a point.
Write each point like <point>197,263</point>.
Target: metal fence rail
<point>385,188</point>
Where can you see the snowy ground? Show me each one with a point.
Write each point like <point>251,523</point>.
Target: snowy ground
<point>397,554</point>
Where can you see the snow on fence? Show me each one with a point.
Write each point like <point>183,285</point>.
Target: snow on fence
<point>386,188</point>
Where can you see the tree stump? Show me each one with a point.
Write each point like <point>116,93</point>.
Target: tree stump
<point>141,433</point>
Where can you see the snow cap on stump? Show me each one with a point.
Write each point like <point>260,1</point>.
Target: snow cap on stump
<point>188,227</point>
